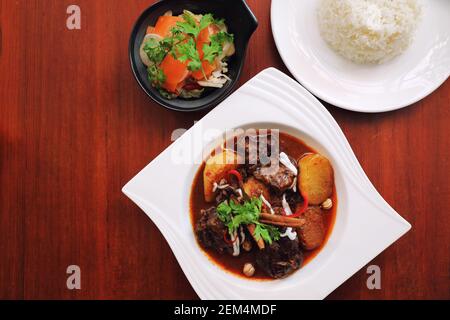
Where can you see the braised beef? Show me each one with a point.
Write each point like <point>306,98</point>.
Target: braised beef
<point>281,258</point>
<point>276,175</point>
<point>258,150</point>
<point>210,232</point>
<point>312,233</point>
<point>293,199</point>
<point>262,172</point>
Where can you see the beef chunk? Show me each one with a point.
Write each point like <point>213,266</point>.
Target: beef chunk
<point>312,234</point>
<point>293,198</point>
<point>279,211</point>
<point>210,231</point>
<point>281,258</point>
<point>257,149</point>
<point>278,176</point>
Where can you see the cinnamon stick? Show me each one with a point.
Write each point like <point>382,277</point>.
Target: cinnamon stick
<point>281,221</point>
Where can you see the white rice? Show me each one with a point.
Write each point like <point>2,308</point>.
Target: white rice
<point>368,31</point>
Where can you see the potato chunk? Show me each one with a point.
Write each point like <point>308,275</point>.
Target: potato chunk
<point>316,178</point>
<point>216,168</point>
<point>255,188</point>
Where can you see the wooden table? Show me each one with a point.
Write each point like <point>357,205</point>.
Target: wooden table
<point>75,127</point>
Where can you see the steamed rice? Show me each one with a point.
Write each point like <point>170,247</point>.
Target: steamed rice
<point>368,31</point>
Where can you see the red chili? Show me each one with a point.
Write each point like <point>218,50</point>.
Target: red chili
<point>237,175</point>
<point>303,208</point>
<point>228,241</point>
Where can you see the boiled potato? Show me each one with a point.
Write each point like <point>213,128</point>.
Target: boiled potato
<point>316,178</point>
<point>254,188</point>
<point>216,168</point>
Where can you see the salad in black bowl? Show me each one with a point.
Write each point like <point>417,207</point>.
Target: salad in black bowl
<point>187,55</point>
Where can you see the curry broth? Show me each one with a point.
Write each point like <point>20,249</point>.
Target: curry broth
<point>294,148</point>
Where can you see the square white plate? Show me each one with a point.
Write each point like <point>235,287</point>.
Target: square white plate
<point>365,223</point>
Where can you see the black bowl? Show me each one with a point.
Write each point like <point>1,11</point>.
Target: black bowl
<point>240,21</point>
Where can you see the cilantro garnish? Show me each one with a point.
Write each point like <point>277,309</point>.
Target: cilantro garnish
<point>155,50</point>
<point>206,21</point>
<point>214,49</point>
<point>156,76</point>
<point>233,215</point>
<point>190,25</point>
<point>188,51</point>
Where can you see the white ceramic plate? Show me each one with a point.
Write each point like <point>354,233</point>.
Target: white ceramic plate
<point>365,223</point>
<point>398,83</point>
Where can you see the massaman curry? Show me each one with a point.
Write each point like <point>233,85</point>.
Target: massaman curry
<point>264,207</point>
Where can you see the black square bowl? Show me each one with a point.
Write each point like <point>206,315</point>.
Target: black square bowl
<point>240,21</point>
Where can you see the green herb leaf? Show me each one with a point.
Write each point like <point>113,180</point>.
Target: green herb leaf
<point>215,48</point>
<point>188,51</point>
<point>189,25</point>
<point>224,212</point>
<point>154,50</point>
<point>156,76</point>
<point>267,233</point>
<point>206,21</point>
<point>234,215</point>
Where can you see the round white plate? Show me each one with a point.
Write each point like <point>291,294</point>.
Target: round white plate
<point>410,77</point>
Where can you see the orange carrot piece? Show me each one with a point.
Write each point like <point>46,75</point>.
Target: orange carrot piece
<point>208,68</point>
<point>175,72</point>
<point>165,25</point>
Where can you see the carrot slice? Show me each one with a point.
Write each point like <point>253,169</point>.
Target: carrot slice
<point>208,68</point>
<point>204,37</point>
<point>150,30</point>
<point>175,72</point>
<point>165,25</point>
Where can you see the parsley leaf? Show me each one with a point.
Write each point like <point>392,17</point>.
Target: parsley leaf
<point>189,25</point>
<point>267,233</point>
<point>188,51</point>
<point>156,76</point>
<point>224,212</point>
<point>234,214</point>
<point>206,21</point>
<point>215,48</point>
<point>154,50</point>
<point>192,27</point>
<point>157,50</point>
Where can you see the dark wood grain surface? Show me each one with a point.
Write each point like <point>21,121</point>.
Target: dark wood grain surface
<point>75,127</point>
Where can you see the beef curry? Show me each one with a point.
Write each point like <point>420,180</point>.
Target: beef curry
<point>260,214</point>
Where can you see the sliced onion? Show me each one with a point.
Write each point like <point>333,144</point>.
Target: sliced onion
<point>236,244</point>
<point>284,159</point>
<point>290,233</point>
<point>264,200</point>
<point>242,234</point>
<point>144,58</point>
<point>294,185</point>
<point>286,207</point>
